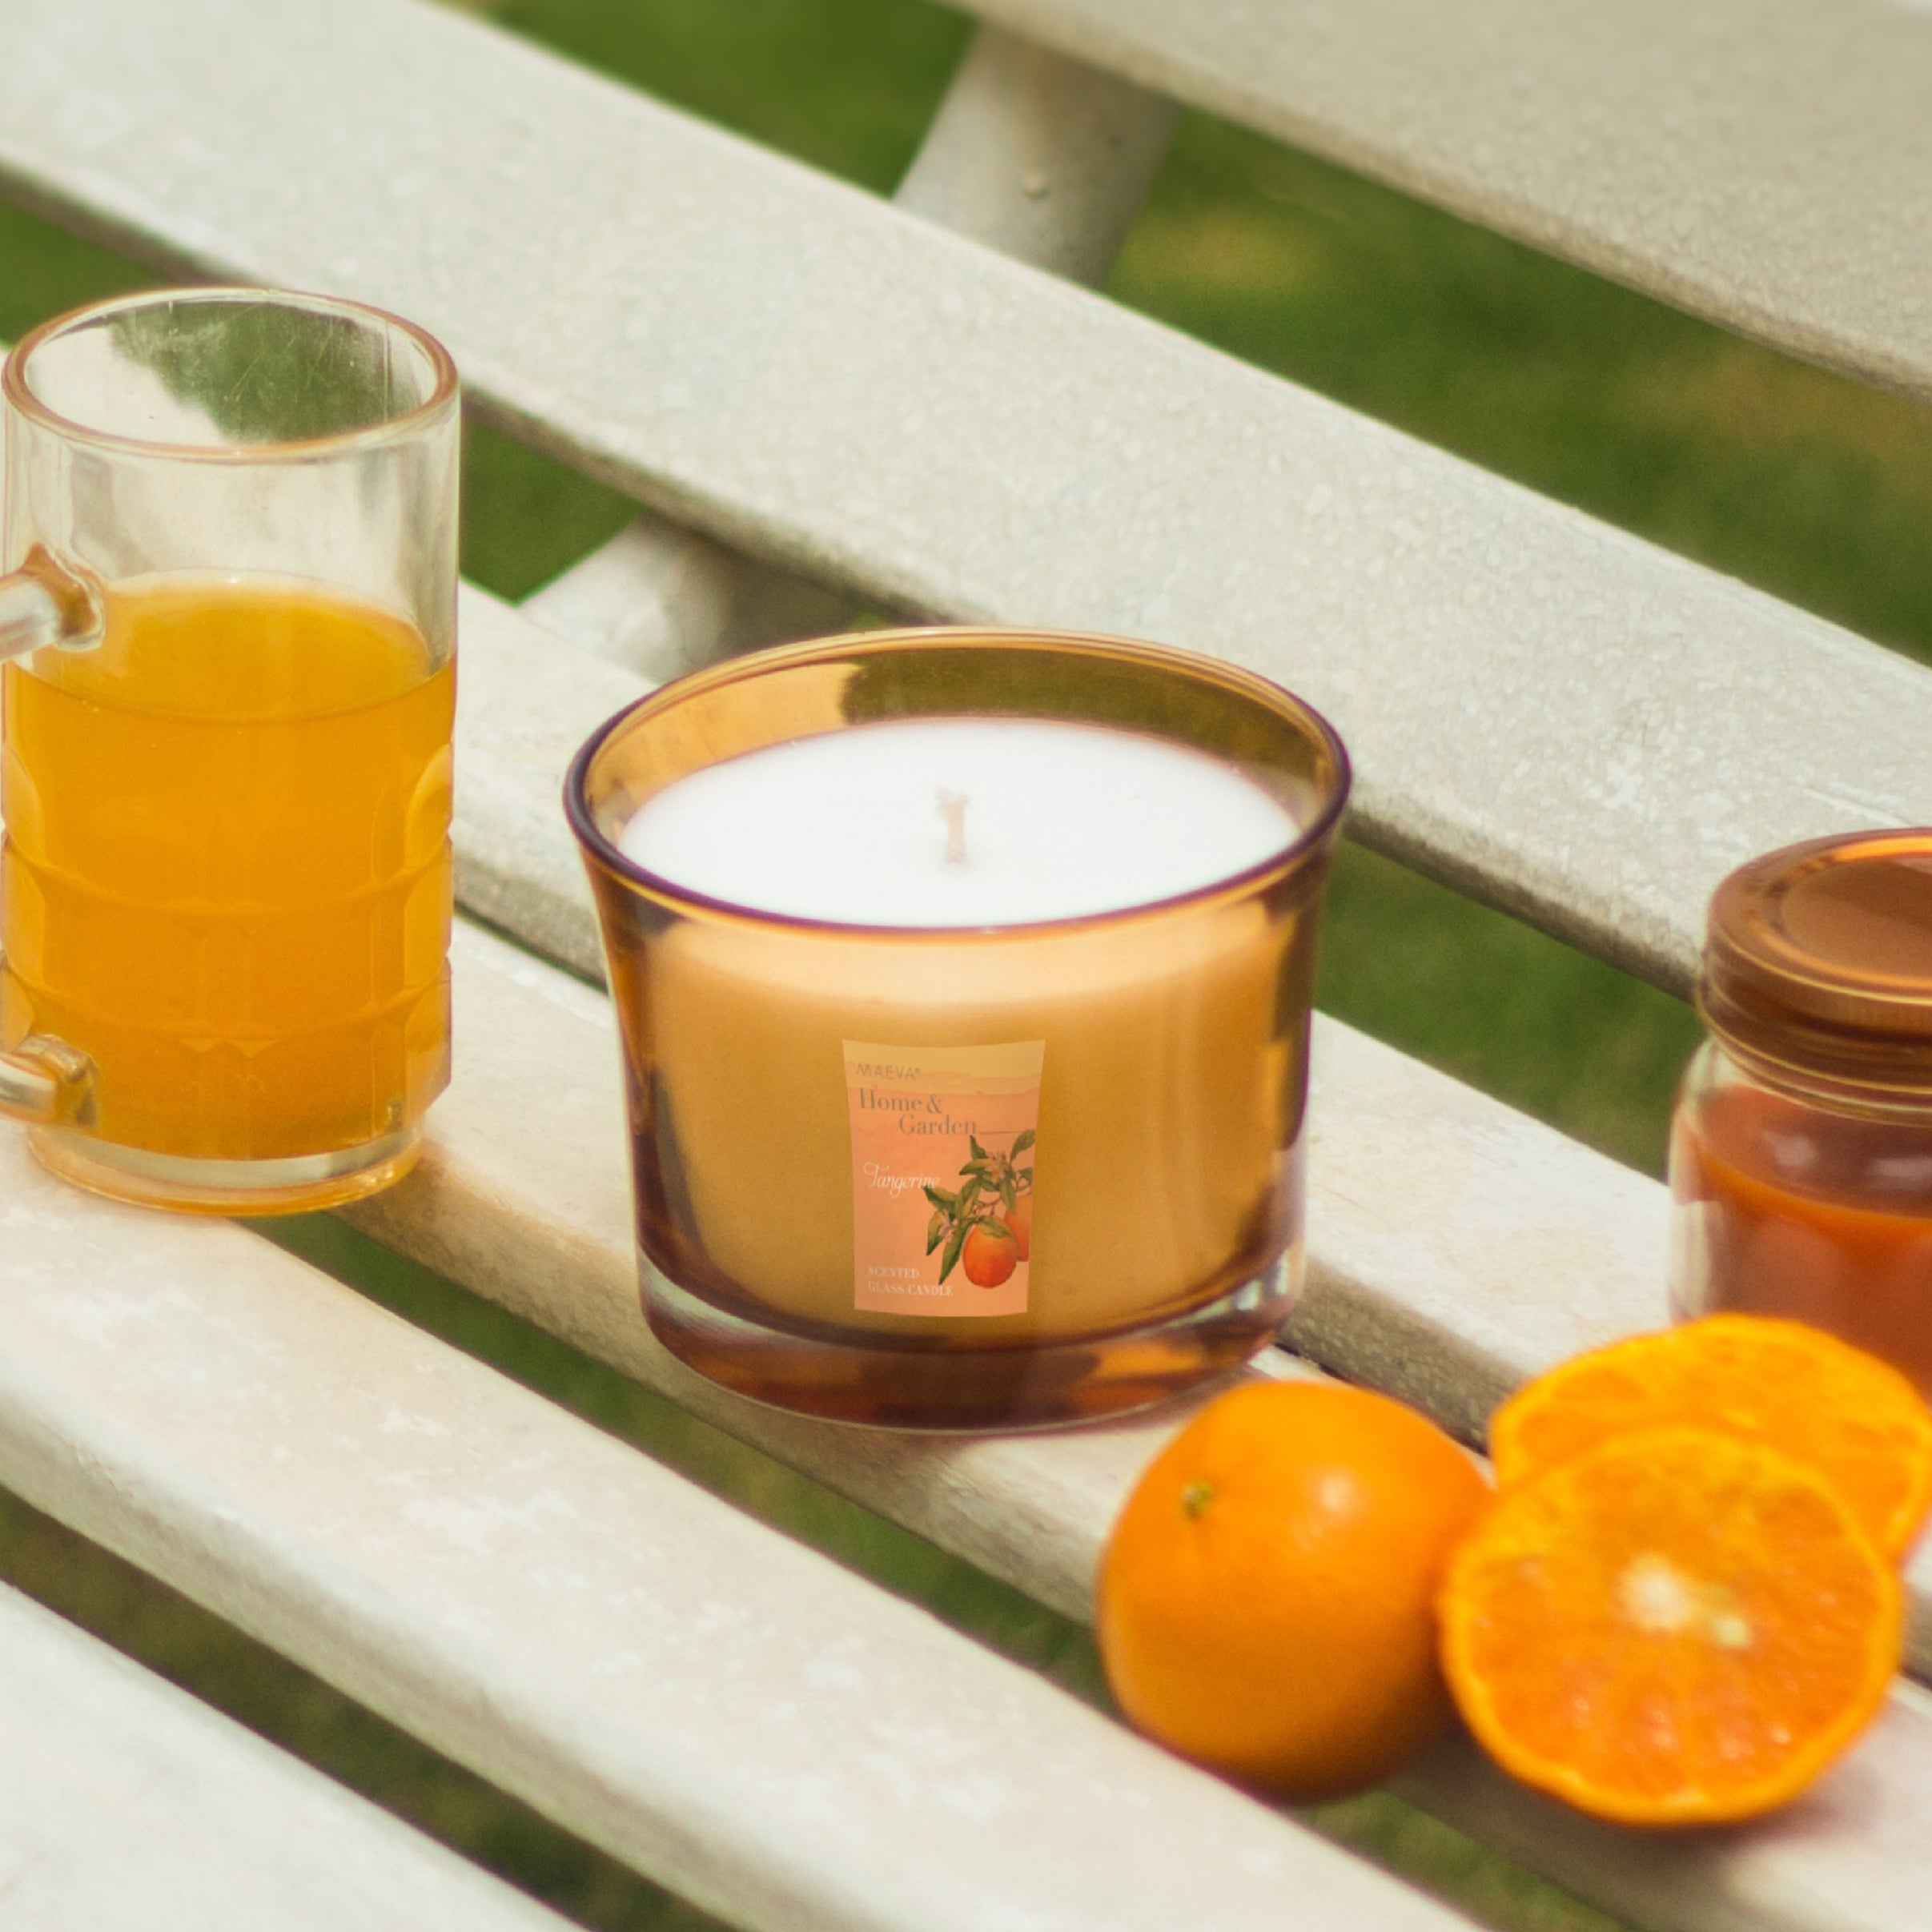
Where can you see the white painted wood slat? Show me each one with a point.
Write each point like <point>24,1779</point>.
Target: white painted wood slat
<point>125,1806</point>
<point>1560,717</point>
<point>1767,163</point>
<point>705,1699</point>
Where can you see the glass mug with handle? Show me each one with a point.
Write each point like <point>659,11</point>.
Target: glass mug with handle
<point>229,631</point>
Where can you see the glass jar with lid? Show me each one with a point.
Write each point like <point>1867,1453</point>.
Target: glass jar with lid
<point>1801,1160</point>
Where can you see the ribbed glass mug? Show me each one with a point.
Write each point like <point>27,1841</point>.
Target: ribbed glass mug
<point>230,620</point>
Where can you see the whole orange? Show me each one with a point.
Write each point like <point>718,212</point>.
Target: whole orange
<point>1267,1598</point>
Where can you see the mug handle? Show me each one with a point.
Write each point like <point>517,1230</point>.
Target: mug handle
<point>47,1084</point>
<point>44,602</point>
<point>44,1080</point>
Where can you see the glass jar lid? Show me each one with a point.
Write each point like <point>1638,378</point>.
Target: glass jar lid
<point>1818,958</point>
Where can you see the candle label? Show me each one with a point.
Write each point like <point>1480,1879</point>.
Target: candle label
<point>942,1154</point>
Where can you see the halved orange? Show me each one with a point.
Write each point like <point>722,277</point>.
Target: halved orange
<point>1677,1627</point>
<point>1855,1418</point>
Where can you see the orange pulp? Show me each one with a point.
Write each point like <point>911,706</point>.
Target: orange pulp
<point>227,871</point>
<point>1679,1627</point>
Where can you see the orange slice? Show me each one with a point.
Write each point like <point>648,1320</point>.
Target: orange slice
<point>1855,1419</point>
<point>1675,1628</point>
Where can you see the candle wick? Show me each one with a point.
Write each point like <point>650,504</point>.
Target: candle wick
<point>952,806</point>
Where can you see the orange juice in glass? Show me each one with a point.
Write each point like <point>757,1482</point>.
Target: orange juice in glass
<point>225,889</point>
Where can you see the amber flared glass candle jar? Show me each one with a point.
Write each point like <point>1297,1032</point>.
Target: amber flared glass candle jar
<point>1800,1162</point>
<point>964,980</point>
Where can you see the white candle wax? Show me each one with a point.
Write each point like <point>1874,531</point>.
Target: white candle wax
<point>958,822</point>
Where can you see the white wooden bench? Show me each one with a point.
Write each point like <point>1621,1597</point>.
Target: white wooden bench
<point>859,400</point>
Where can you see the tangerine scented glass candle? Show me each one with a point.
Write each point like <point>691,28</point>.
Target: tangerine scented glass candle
<point>1801,1163</point>
<point>964,980</point>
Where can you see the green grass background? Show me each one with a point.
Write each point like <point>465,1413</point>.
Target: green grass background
<point>1810,487</point>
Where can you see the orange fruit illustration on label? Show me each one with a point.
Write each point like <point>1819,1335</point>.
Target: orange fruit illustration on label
<point>990,1255</point>
<point>1267,1598</point>
<point>1019,1219</point>
<point>975,1224</point>
<point>1678,1627</point>
<point>1855,1419</point>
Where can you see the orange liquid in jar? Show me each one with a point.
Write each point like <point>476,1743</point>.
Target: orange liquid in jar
<point>1821,1218</point>
<point>226,874</point>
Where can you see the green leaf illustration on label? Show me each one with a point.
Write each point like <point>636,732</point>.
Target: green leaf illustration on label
<point>955,1242</point>
<point>993,1240</point>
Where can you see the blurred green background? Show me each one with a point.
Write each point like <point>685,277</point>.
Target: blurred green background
<point>1763,467</point>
